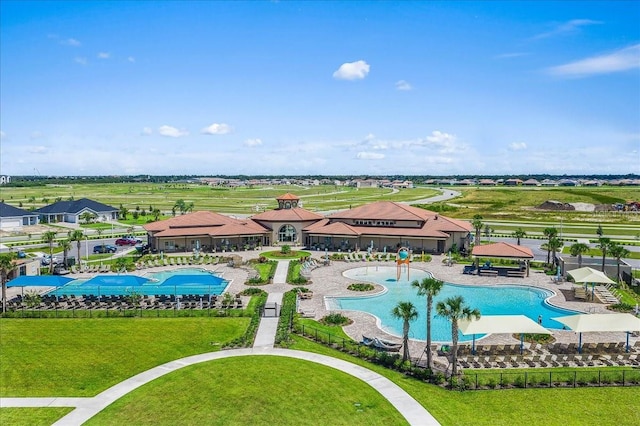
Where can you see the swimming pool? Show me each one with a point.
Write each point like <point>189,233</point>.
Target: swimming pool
<point>176,282</point>
<point>498,300</point>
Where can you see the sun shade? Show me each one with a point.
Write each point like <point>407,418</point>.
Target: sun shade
<point>39,281</point>
<point>116,280</point>
<point>601,322</point>
<point>492,324</point>
<point>589,275</point>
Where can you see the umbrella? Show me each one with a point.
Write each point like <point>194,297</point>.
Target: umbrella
<point>589,275</point>
<point>600,322</point>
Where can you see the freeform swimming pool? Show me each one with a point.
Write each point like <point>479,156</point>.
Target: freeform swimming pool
<point>174,282</point>
<point>498,300</point>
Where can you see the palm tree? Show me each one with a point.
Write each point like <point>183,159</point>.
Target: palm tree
<point>6,266</point>
<point>549,233</point>
<point>518,234</point>
<point>124,212</point>
<point>99,231</point>
<point>578,249</point>
<point>77,236</point>
<point>180,205</point>
<point>603,245</point>
<point>454,309</point>
<point>49,237</point>
<point>477,225</point>
<point>156,214</point>
<point>66,246</point>
<point>618,251</point>
<point>407,312</point>
<point>554,245</point>
<point>429,287</point>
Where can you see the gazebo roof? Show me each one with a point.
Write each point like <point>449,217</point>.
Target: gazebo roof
<point>503,249</point>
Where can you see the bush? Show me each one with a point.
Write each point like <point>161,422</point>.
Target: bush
<point>361,287</point>
<point>335,319</point>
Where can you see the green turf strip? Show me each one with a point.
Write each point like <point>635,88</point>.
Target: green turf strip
<point>81,357</point>
<point>31,416</point>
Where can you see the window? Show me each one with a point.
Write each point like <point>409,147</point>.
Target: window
<point>287,234</point>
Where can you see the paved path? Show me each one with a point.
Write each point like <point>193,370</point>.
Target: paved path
<point>86,408</point>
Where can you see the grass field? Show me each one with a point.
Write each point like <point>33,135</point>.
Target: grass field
<point>31,416</point>
<point>544,407</point>
<point>81,357</point>
<point>250,391</point>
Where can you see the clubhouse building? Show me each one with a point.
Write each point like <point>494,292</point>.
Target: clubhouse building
<point>379,226</point>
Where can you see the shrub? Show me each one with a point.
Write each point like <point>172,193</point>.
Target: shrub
<point>335,319</point>
<point>361,287</point>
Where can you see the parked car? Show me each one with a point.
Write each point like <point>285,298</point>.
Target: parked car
<point>143,248</point>
<point>46,260</point>
<point>105,248</point>
<point>128,241</point>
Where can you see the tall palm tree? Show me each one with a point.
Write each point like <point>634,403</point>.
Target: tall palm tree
<point>549,233</point>
<point>49,237</point>
<point>554,245</point>
<point>77,236</point>
<point>156,214</point>
<point>454,309</point>
<point>477,225</point>
<point>518,234</point>
<point>65,245</point>
<point>429,287</point>
<point>618,251</point>
<point>603,244</point>
<point>6,266</point>
<point>180,205</point>
<point>578,249</point>
<point>407,312</point>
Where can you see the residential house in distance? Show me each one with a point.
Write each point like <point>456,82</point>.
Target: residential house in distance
<point>13,219</point>
<point>72,211</point>
<point>531,182</point>
<point>4,179</point>
<point>487,182</point>
<point>513,182</point>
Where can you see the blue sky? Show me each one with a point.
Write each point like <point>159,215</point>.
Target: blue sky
<point>429,88</point>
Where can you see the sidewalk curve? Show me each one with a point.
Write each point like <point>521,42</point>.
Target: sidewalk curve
<point>86,408</point>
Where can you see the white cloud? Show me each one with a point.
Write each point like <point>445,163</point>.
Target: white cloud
<point>517,146</point>
<point>568,27</point>
<point>80,60</point>
<point>71,42</point>
<point>620,60</point>
<point>146,131</point>
<point>37,149</point>
<point>172,132</point>
<point>352,71</point>
<point>253,142</point>
<point>104,55</point>
<point>362,155</point>
<point>2,134</point>
<point>216,129</point>
<point>403,85</point>
<point>369,137</point>
<point>35,135</point>
<point>131,59</point>
<point>511,55</point>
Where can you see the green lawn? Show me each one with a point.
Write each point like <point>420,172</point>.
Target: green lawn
<point>580,406</point>
<point>31,416</point>
<point>81,357</point>
<point>253,390</point>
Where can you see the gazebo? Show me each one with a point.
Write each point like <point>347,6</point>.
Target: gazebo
<point>505,251</point>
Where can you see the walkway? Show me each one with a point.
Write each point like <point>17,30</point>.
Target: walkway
<point>86,408</point>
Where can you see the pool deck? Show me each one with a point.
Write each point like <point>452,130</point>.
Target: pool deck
<point>330,281</point>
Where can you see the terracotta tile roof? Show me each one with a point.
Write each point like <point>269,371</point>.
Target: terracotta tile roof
<point>288,196</point>
<point>336,228</point>
<point>503,250</point>
<point>297,214</point>
<point>195,219</point>
<point>384,210</point>
<point>204,223</point>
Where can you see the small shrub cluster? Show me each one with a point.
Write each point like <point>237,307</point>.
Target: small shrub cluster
<point>361,287</point>
<point>249,335</point>
<point>335,319</point>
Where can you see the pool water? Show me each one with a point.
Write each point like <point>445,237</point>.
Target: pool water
<point>175,282</point>
<point>498,300</point>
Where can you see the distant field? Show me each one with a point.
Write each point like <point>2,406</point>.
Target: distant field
<point>504,209</point>
<point>225,200</point>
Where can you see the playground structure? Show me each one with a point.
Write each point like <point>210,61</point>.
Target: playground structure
<point>402,258</point>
